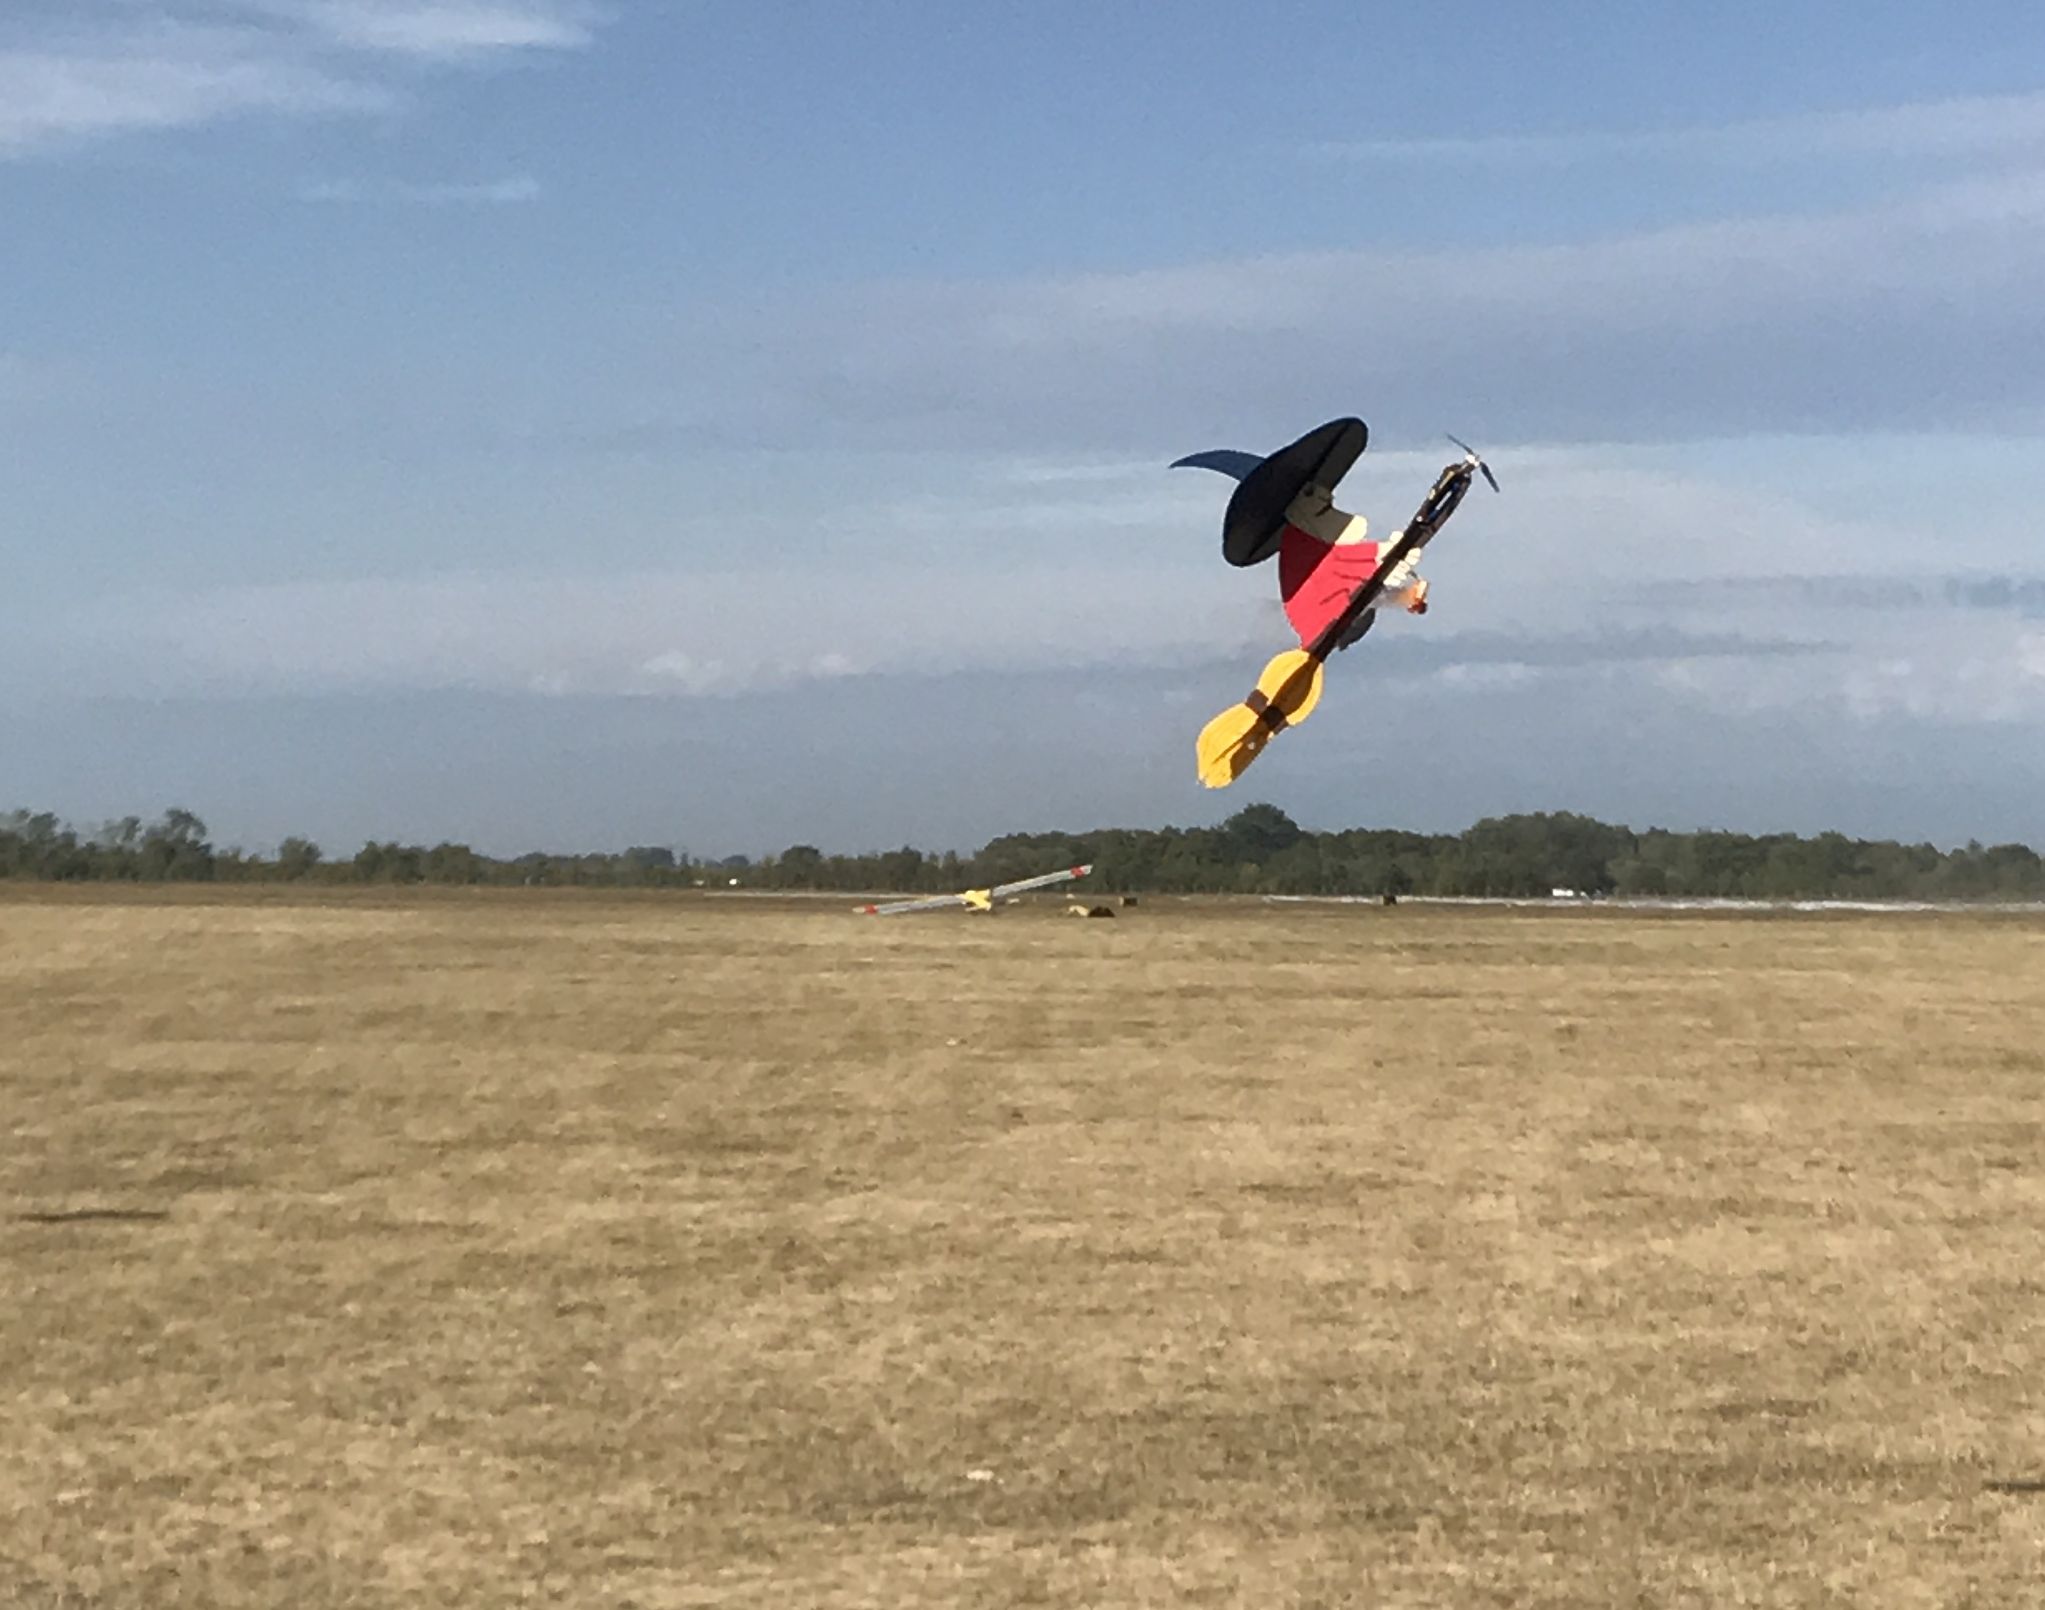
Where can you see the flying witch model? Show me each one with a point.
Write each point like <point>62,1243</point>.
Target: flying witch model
<point>1332,578</point>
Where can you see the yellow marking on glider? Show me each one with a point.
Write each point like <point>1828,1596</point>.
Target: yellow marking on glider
<point>1284,696</point>
<point>975,899</point>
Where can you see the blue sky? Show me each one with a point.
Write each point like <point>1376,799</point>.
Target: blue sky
<point>536,421</point>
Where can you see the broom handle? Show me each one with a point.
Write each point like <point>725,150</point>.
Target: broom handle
<point>1435,508</point>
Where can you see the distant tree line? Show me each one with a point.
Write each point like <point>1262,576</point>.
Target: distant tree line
<point>1259,850</point>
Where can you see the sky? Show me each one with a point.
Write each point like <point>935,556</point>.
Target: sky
<point>582,423</point>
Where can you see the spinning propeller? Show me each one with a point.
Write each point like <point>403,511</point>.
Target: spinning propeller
<point>1476,461</point>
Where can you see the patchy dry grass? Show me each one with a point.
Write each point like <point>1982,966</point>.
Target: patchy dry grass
<point>606,1251</point>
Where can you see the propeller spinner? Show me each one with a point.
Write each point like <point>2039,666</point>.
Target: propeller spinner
<point>1477,460</point>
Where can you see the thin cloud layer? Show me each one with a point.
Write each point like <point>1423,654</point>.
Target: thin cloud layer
<point>440,30</point>
<point>101,68</point>
<point>507,192</point>
<point>1962,127</point>
<point>1588,560</point>
<point>2013,594</point>
<point>988,753</point>
<point>1916,313</point>
<point>173,79</point>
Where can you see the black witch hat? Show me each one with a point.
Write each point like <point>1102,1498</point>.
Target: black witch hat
<point>1256,513</point>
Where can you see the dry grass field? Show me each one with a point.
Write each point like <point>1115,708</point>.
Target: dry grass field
<point>545,1248</point>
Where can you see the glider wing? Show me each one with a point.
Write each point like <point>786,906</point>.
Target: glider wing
<point>895,908</point>
<point>973,899</point>
<point>1044,882</point>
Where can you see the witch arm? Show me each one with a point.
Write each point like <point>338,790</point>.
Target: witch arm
<point>1435,508</point>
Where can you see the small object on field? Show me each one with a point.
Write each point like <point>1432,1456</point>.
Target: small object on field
<point>975,899</point>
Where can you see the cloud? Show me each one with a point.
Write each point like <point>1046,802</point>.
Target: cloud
<point>1948,670</point>
<point>1473,654</point>
<point>1920,310</point>
<point>115,68</point>
<point>1591,560</point>
<point>698,635</point>
<point>441,30</point>
<point>2019,595</point>
<point>1064,622</point>
<point>656,633</point>
<point>677,671</point>
<point>1962,127</point>
<point>840,764</point>
<point>506,192</point>
<point>175,79</point>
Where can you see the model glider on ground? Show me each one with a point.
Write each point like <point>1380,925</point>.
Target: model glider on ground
<point>974,899</point>
<point>1332,578</point>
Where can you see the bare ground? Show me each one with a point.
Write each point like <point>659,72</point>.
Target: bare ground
<point>545,1248</point>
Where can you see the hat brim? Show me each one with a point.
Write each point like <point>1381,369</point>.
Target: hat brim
<point>1256,514</point>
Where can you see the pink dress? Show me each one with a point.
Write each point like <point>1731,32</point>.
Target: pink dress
<point>1317,579</point>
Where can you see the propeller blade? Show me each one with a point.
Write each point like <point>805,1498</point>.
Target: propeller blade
<point>1477,459</point>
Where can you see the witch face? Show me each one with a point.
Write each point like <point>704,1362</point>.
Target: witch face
<point>1313,511</point>
<point>1306,510</point>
